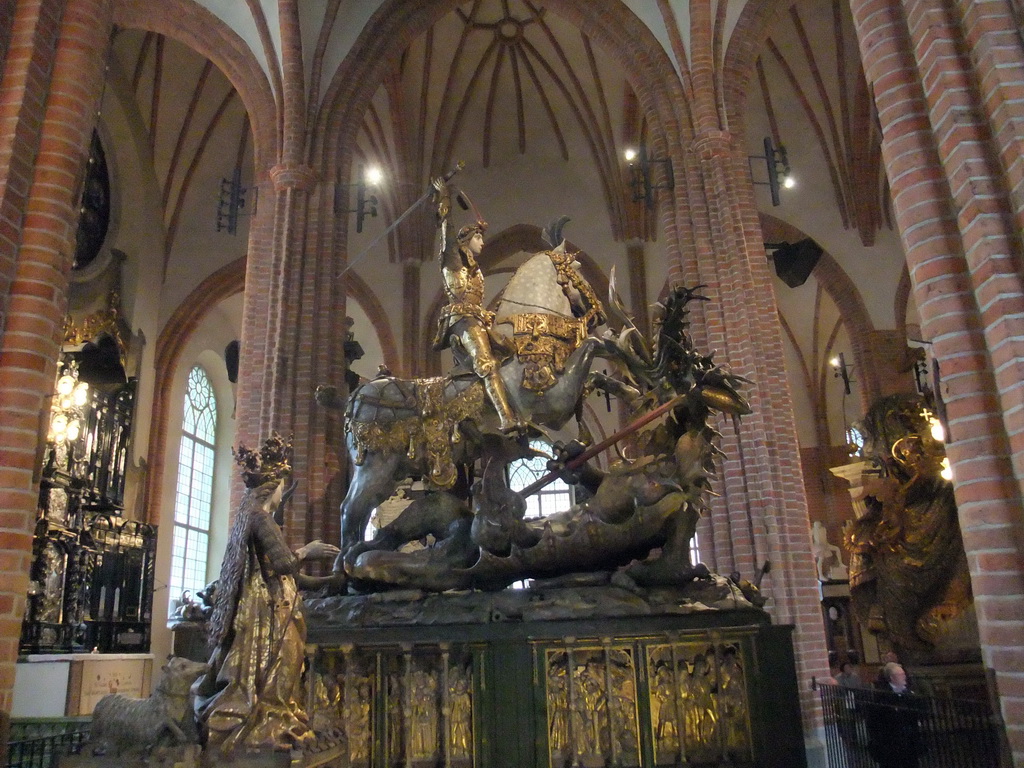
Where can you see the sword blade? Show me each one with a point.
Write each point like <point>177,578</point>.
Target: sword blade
<point>373,243</point>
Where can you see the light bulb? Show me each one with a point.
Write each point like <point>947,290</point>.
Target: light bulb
<point>65,384</point>
<point>74,429</point>
<point>59,424</point>
<point>81,394</point>
<point>629,154</point>
<point>789,182</point>
<point>66,402</point>
<point>938,433</point>
<point>373,176</point>
<point>947,470</point>
<point>834,362</point>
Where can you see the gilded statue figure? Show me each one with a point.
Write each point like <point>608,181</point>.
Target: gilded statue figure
<point>558,713</point>
<point>591,711</point>
<point>357,722</point>
<point>909,577</point>
<point>732,699</point>
<point>664,716</point>
<point>701,713</point>
<point>460,720</point>
<point>424,714</point>
<point>623,704</point>
<point>252,697</point>
<point>465,323</point>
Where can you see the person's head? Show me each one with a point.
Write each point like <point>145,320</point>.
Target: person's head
<point>266,472</point>
<point>849,668</point>
<point>471,237</point>
<point>896,676</point>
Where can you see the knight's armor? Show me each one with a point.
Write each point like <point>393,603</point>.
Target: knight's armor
<point>466,319</point>
<point>464,289</point>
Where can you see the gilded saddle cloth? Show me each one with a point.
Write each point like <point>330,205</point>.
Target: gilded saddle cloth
<point>423,422</point>
<point>543,342</point>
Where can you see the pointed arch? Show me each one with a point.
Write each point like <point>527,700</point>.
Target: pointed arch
<point>193,25</point>
<point>179,328</point>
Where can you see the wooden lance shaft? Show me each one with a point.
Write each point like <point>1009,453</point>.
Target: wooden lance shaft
<point>604,445</point>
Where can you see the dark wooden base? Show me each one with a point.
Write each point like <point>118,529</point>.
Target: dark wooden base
<point>576,690</point>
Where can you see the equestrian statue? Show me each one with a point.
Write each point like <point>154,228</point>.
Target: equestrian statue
<point>523,370</point>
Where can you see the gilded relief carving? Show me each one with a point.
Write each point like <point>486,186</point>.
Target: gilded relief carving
<point>427,707</point>
<point>700,707</point>
<point>357,722</point>
<point>591,714</point>
<point>701,694</point>
<point>424,715</point>
<point>460,715</point>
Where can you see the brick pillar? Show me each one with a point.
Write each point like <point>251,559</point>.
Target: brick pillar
<point>638,298</point>
<point>955,214</point>
<point>53,110</point>
<point>762,514</point>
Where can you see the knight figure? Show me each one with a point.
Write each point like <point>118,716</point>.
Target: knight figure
<point>465,323</point>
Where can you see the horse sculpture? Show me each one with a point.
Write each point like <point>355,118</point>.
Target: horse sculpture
<point>399,428</point>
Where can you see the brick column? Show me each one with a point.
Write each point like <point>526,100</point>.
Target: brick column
<point>763,504</point>
<point>53,110</point>
<point>963,251</point>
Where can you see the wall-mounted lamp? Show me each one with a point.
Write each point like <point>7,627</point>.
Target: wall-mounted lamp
<point>67,416</point>
<point>779,174</point>
<point>842,371</point>
<point>640,177</point>
<point>366,205</point>
<point>231,202</point>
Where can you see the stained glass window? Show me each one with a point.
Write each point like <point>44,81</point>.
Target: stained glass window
<point>194,492</point>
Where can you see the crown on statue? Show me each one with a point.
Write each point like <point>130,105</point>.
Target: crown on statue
<point>271,463</point>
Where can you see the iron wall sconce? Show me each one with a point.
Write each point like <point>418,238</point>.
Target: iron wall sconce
<point>779,174</point>
<point>640,176</point>
<point>842,371</point>
<point>231,202</point>
<point>366,205</point>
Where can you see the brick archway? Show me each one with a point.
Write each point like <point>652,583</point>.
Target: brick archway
<point>745,45</point>
<point>190,24</point>
<point>366,298</point>
<point>841,288</point>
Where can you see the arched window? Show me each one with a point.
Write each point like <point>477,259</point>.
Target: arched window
<point>194,492</point>
<point>556,497</point>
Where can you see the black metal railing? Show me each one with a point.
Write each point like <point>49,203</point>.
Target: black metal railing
<point>865,728</point>
<point>38,742</point>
